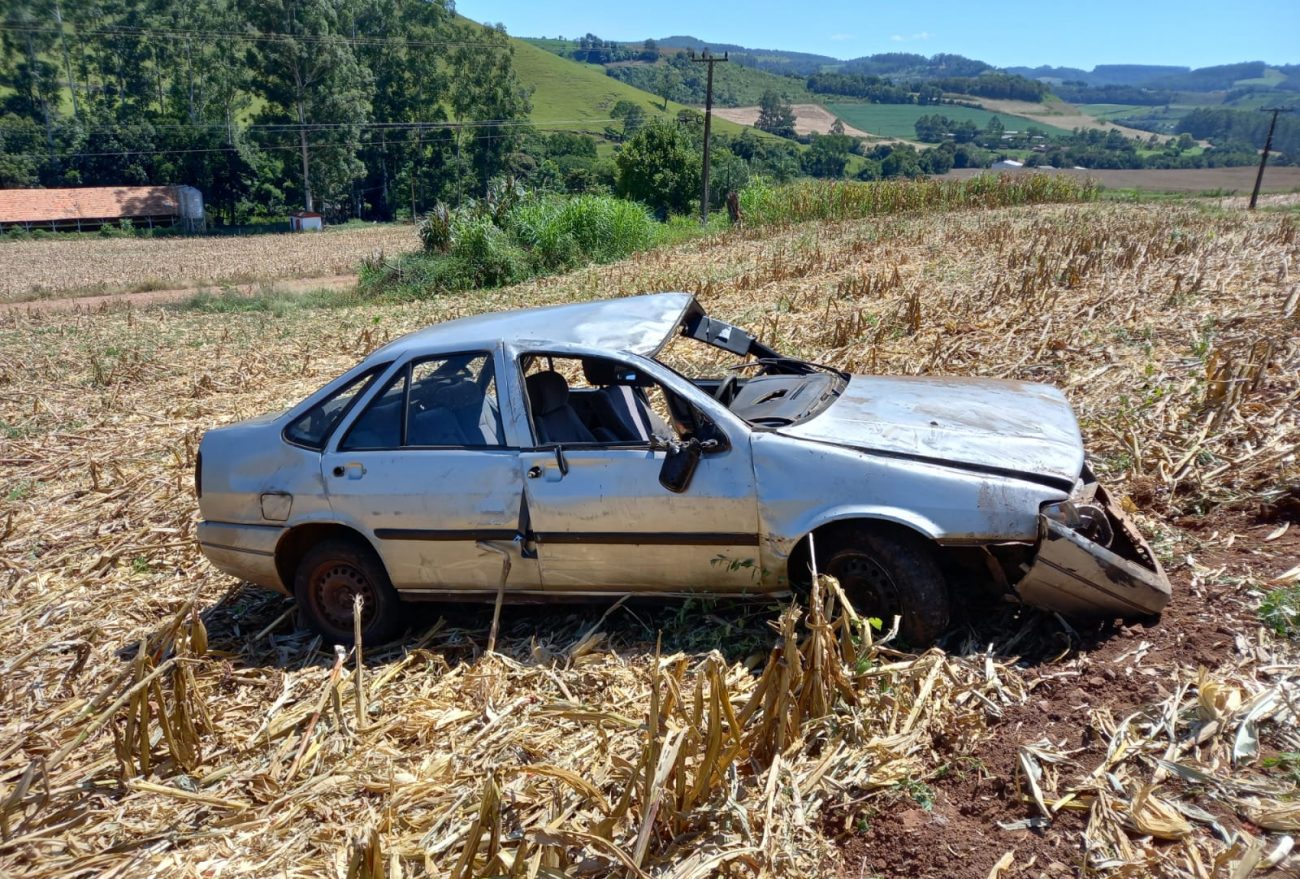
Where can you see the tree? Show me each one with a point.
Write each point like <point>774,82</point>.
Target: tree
<point>660,167</point>
<point>667,81</point>
<point>486,90</point>
<point>775,115</point>
<point>828,155</point>
<point>315,87</point>
<point>631,113</point>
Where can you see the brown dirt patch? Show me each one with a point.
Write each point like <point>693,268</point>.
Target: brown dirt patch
<point>808,119</point>
<point>1122,667</point>
<point>1060,114</point>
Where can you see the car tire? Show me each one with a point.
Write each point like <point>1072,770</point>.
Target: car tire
<point>329,575</point>
<point>893,574</point>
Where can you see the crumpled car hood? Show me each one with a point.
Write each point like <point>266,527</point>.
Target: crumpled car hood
<point>980,423</point>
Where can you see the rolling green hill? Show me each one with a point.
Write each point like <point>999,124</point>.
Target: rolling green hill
<point>569,96</point>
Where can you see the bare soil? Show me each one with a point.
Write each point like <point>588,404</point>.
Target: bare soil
<point>1062,115</point>
<point>808,119</point>
<point>1121,666</point>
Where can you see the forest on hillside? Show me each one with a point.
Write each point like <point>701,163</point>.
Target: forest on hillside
<point>367,108</point>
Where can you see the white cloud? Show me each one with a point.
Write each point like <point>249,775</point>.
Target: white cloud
<point>839,38</point>
<point>901,38</point>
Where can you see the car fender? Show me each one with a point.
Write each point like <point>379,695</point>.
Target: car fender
<point>896,515</point>
<point>327,516</point>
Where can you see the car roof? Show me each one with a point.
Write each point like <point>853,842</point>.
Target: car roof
<point>635,324</point>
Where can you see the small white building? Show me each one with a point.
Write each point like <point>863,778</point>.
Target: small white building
<point>1007,165</point>
<point>305,221</point>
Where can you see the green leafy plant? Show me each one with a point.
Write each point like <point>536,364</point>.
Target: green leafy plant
<point>1280,611</point>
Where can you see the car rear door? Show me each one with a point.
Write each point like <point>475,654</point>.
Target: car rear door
<point>423,469</point>
<point>601,521</point>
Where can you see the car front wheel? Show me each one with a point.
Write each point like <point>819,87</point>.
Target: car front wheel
<point>330,576</point>
<point>888,575</point>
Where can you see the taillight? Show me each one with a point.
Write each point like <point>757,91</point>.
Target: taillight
<point>198,475</point>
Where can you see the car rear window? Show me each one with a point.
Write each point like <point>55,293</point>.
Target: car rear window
<point>313,427</point>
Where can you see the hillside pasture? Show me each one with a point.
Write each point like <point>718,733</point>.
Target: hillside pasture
<point>572,96</point>
<point>161,718</point>
<point>898,121</point>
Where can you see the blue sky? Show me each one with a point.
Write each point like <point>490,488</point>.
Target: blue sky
<point>1195,33</point>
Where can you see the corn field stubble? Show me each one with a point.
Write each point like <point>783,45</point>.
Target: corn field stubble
<point>158,718</point>
<point>50,267</point>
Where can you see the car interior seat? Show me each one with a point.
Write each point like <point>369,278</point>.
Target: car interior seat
<point>621,407</point>
<point>554,418</point>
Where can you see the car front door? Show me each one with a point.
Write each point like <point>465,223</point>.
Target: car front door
<point>601,521</point>
<point>425,470</point>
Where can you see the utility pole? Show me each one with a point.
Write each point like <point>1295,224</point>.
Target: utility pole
<point>1268,145</point>
<point>709,59</point>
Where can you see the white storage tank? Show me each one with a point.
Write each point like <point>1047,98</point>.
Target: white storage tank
<point>189,201</point>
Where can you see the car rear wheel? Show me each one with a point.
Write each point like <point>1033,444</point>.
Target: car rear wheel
<point>330,575</point>
<point>894,574</point>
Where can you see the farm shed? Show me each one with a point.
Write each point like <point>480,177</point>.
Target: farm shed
<point>305,221</point>
<point>88,208</point>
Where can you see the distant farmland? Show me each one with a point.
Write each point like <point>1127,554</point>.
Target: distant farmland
<point>899,120</point>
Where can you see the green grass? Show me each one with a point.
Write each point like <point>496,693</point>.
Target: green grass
<point>571,96</point>
<point>1109,111</point>
<point>899,120</point>
<point>1272,77</point>
<point>1280,611</point>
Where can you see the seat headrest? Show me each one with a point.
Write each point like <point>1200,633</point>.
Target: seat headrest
<point>547,392</point>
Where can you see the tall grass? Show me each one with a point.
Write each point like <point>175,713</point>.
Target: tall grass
<point>563,232</point>
<point>503,241</point>
<point>762,204</point>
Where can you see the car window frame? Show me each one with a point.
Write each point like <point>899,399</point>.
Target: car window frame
<point>404,370</point>
<point>630,361</point>
<point>360,372</point>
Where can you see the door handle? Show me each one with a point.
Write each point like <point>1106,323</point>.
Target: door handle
<point>534,472</point>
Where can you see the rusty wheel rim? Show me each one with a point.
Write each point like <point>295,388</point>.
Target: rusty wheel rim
<point>333,587</point>
<point>864,580</point>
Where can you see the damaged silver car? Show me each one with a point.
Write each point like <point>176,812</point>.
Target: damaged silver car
<point>552,453</point>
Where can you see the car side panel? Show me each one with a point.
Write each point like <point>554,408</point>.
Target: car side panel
<point>803,485</point>
<point>243,462</point>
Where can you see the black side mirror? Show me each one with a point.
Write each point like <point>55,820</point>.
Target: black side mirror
<point>679,465</point>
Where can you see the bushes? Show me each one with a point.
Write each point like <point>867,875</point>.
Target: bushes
<point>505,239</point>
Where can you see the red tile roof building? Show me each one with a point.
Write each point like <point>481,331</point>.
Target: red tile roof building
<point>92,206</point>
